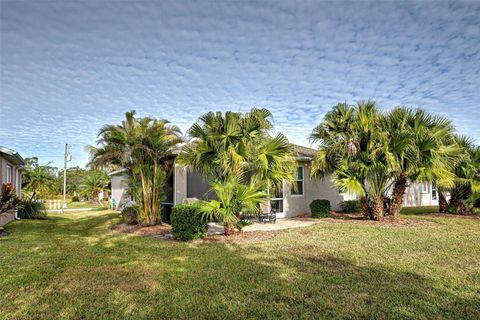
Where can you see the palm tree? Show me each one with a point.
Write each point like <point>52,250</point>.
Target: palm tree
<point>352,149</point>
<point>238,147</point>
<point>234,196</point>
<point>421,147</point>
<point>94,183</point>
<point>466,184</point>
<point>144,147</point>
<point>37,179</point>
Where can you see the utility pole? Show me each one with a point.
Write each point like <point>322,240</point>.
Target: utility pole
<point>65,159</point>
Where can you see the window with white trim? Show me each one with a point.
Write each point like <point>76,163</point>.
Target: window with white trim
<point>297,190</point>
<point>434,193</point>
<point>9,174</point>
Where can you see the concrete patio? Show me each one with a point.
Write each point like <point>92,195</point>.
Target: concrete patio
<point>281,224</point>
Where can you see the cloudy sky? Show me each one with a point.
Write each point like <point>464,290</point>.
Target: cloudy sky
<point>66,68</point>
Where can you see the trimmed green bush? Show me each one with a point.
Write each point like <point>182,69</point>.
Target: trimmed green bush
<point>187,222</point>
<point>320,208</point>
<point>31,209</point>
<point>350,206</point>
<point>130,214</point>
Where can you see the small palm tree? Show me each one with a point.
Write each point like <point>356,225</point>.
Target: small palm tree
<point>94,183</point>
<point>144,147</point>
<point>238,147</point>
<point>234,196</point>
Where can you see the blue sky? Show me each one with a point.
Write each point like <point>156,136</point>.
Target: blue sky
<point>66,68</point>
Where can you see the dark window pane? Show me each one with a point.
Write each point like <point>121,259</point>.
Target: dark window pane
<point>300,173</point>
<point>277,205</point>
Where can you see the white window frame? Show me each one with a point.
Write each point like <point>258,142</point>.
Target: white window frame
<point>303,183</point>
<point>9,174</point>
<point>425,188</point>
<point>279,199</point>
<point>436,193</point>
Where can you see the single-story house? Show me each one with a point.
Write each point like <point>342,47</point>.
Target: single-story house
<point>186,184</point>
<point>11,164</point>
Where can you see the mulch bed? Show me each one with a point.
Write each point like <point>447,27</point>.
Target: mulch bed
<point>164,232</point>
<point>154,231</point>
<point>357,218</point>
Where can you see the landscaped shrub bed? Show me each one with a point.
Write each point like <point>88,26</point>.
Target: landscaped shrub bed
<point>31,209</point>
<point>320,208</point>
<point>350,206</point>
<point>187,222</point>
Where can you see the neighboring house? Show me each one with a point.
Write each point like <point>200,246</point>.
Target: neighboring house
<point>288,202</point>
<point>420,194</point>
<point>10,165</point>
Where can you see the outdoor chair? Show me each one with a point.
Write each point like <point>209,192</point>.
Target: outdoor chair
<point>268,217</point>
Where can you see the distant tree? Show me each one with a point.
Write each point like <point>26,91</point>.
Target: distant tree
<point>93,183</point>
<point>38,180</point>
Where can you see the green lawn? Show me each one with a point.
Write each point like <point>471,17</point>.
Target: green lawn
<point>73,266</point>
<point>85,204</point>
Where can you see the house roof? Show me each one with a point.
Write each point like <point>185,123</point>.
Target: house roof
<point>304,153</point>
<point>12,156</point>
<point>301,154</point>
<point>117,172</point>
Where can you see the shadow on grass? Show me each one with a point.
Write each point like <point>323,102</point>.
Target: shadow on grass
<point>143,278</point>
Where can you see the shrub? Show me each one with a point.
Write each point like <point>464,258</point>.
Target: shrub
<point>75,199</point>
<point>242,224</point>
<point>8,198</point>
<point>187,222</point>
<point>31,209</point>
<point>320,208</point>
<point>130,214</point>
<point>452,210</point>
<point>350,206</point>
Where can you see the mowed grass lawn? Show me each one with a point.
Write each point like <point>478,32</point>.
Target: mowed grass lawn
<point>73,266</point>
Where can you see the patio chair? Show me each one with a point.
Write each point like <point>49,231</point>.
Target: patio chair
<point>268,217</point>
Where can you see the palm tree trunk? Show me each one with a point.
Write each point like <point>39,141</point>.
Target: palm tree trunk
<point>228,228</point>
<point>377,208</point>
<point>442,203</point>
<point>397,196</point>
<point>365,208</point>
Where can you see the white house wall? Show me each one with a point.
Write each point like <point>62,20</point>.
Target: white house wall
<point>119,190</point>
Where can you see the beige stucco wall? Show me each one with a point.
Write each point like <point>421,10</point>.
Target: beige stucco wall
<point>16,175</point>
<point>295,205</point>
<point>179,184</point>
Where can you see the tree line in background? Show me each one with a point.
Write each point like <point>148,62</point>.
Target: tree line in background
<point>42,182</point>
<point>371,153</point>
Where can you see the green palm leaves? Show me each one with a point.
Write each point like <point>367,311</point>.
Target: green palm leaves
<point>143,146</point>
<point>375,154</point>
<point>240,157</point>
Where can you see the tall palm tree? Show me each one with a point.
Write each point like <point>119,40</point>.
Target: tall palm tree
<point>421,147</point>
<point>144,147</point>
<point>238,147</point>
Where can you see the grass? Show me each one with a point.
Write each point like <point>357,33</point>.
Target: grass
<point>73,266</point>
<point>419,210</point>
<point>85,204</point>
